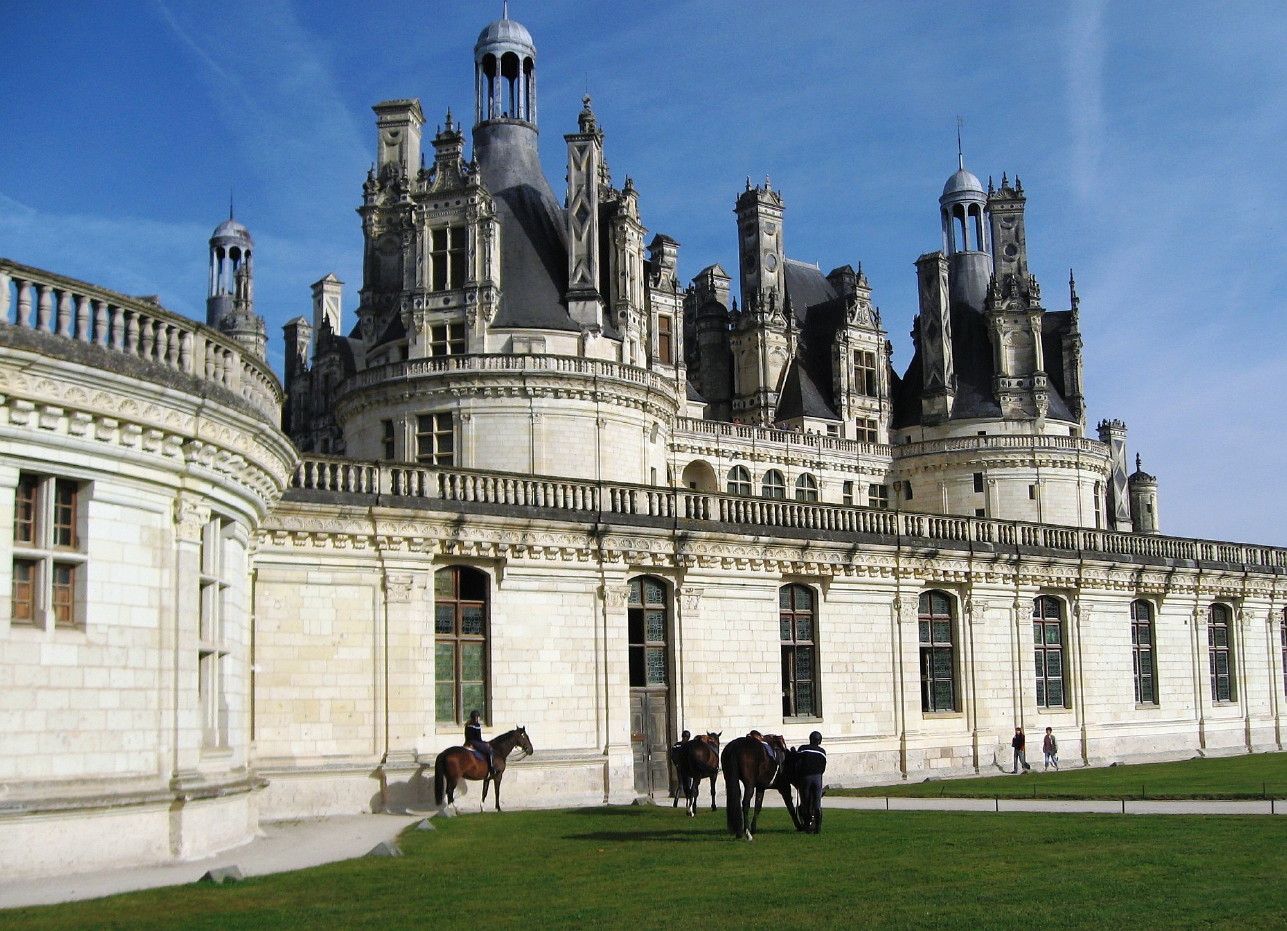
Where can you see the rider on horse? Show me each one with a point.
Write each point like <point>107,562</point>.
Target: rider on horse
<point>474,739</point>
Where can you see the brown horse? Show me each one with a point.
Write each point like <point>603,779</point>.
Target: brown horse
<point>695,760</point>
<point>457,763</point>
<point>749,769</point>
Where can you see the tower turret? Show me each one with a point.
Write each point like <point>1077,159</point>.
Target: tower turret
<point>965,238</point>
<point>1143,490</point>
<point>230,305</point>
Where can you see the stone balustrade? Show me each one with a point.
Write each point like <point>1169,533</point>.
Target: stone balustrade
<point>576,499</point>
<point>32,299</point>
<point>746,432</point>
<point>516,364</point>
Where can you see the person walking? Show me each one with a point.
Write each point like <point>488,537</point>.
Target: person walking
<point>1050,747</point>
<point>1019,745</point>
<point>811,762</point>
<point>474,739</point>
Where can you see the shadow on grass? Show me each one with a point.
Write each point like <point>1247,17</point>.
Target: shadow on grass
<point>627,837</point>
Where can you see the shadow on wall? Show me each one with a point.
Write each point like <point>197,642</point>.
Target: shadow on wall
<point>406,796</point>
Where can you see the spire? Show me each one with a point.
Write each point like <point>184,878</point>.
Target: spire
<point>960,155</point>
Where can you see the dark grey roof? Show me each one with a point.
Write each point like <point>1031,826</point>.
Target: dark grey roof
<point>533,243</point>
<point>692,392</point>
<point>806,287</point>
<point>800,397</point>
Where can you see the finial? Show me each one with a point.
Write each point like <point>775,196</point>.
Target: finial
<point>1005,182</point>
<point>586,100</point>
<point>960,156</point>
<point>505,10</point>
<point>748,182</point>
<point>450,123</point>
<point>768,185</point>
<point>229,203</point>
<point>1138,467</point>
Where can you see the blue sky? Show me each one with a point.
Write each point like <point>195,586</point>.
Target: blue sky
<point>1151,139</point>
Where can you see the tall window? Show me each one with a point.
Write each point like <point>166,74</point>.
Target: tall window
<point>389,434</point>
<point>865,372</point>
<point>1098,495</point>
<point>665,339</point>
<point>774,486</point>
<point>847,493</point>
<point>806,488</point>
<point>447,339</point>
<point>1142,659</point>
<point>1048,646</point>
<point>447,257</point>
<point>938,652</point>
<point>646,621</point>
<point>1282,634</point>
<point>739,481</point>
<point>212,648</point>
<point>797,618</point>
<point>1219,643</point>
<point>48,552</point>
<point>435,440</point>
<point>866,430</point>
<point>460,643</point>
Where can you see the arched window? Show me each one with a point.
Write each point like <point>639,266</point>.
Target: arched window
<point>1142,658</point>
<point>806,488</point>
<point>1048,646</point>
<point>460,648</point>
<point>938,652</point>
<point>797,617</point>
<point>739,481</point>
<point>774,486</point>
<point>647,631</point>
<point>1220,653</point>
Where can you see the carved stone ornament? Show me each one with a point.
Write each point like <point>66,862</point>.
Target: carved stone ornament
<point>616,596</point>
<point>190,516</point>
<point>398,588</point>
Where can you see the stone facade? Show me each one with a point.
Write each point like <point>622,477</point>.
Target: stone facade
<point>539,477</point>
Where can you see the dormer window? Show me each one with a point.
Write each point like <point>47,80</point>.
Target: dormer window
<point>447,258</point>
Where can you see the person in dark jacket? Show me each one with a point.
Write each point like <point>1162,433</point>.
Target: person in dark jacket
<point>811,763</point>
<point>474,739</point>
<point>1019,744</point>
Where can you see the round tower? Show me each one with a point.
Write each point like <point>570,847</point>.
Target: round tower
<point>231,304</point>
<point>965,238</point>
<point>231,254</point>
<point>1143,492</point>
<point>505,73</point>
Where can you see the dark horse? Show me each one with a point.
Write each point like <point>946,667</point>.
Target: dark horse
<point>748,769</point>
<point>457,763</point>
<point>695,760</point>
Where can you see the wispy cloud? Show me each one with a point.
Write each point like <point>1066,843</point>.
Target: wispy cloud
<point>1084,63</point>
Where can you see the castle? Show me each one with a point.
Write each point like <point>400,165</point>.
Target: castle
<point>539,476</point>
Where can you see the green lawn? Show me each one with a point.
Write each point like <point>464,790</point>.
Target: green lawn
<point>653,867</point>
<point>1260,775</point>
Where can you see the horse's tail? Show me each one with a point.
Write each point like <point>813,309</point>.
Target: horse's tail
<point>440,779</point>
<point>732,790</point>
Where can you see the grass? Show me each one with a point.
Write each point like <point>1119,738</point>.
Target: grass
<point>1251,776</point>
<point>628,867</point>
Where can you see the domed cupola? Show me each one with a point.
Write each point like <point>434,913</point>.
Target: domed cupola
<point>505,73</point>
<point>965,237</point>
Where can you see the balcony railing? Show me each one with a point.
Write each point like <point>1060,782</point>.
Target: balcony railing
<point>41,301</point>
<point>574,499</point>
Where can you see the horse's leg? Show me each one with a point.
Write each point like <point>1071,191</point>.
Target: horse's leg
<point>755,821</point>
<point>498,779</point>
<point>712,793</point>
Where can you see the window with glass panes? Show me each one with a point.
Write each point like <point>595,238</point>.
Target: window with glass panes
<point>866,430</point>
<point>797,617</point>
<point>1142,653</point>
<point>1282,634</point>
<point>739,481</point>
<point>878,496</point>
<point>773,486</point>
<point>48,557</point>
<point>865,372</point>
<point>647,622</point>
<point>1048,648</point>
<point>665,340</point>
<point>1220,653</point>
<point>460,643</point>
<point>389,435</point>
<point>435,439</point>
<point>447,257</point>
<point>806,488</point>
<point>447,339</point>
<point>212,650</point>
<point>938,652</point>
